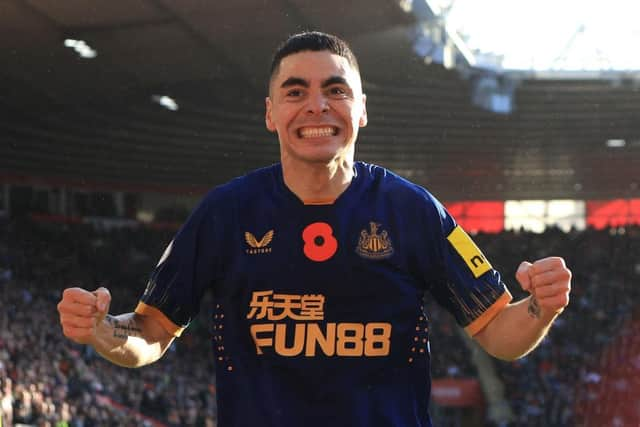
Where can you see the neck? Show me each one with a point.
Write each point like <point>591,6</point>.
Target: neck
<point>317,183</point>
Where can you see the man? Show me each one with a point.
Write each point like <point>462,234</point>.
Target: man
<point>318,266</point>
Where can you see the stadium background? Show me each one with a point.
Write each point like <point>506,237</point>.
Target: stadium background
<point>102,157</point>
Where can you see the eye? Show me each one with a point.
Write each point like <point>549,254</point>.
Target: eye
<point>338,92</point>
<point>294,93</point>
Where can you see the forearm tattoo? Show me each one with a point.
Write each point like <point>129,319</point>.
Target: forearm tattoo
<point>123,328</point>
<point>534,308</point>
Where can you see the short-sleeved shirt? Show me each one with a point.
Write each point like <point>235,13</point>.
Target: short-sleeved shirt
<point>318,314</point>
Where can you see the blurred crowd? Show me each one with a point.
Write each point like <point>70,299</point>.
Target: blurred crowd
<point>587,371</point>
<point>45,379</point>
<point>579,375</point>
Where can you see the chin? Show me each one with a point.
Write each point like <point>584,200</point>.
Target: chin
<point>319,159</point>
<point>317,154</point>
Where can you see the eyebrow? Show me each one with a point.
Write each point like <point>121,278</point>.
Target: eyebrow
<point>334,80</point>
<point>294,81</point>
<point>298,81</point>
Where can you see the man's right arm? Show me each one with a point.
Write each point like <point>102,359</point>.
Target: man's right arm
<point>131,340</point>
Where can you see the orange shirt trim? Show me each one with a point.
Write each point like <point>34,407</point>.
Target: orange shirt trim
<point>319,202</point>
<point>147,310</point>
<point>486,317</point>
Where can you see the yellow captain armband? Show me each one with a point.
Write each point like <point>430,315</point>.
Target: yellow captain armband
<point>467,249</point>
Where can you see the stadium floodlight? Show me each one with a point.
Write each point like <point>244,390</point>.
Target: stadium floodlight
<point>616,143</point>
<point>166,101</point>
<point>82,48</point>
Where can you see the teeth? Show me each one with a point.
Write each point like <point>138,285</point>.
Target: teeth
<point>317,132</point>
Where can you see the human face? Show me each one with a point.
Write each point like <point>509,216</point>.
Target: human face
<point>316,106</point>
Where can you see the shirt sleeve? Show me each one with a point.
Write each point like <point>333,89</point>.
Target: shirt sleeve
<point>185,271</point>
<point>466,284</point>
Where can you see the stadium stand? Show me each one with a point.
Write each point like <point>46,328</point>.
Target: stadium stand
<point>426,129</point>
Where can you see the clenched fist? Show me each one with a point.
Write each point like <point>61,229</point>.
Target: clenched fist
<point>81,311</point>
<point>548,281</point>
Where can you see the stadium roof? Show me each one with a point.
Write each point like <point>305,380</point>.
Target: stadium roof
<point>574,35</point>
<point>168,95</point>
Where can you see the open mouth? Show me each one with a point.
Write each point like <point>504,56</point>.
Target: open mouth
<point>317,132</point>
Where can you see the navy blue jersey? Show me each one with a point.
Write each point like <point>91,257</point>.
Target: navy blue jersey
<point>317,313</point>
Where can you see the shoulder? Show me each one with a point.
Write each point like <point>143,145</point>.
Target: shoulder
<point>223,202</point>
<point>410,200</point>
<point>254,184</point>
<point>394,185</point>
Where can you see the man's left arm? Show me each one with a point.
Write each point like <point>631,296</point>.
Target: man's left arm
<point>518,328</point>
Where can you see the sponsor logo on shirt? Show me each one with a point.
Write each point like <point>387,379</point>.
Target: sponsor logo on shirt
<point>468,250</point>
<point>258,246</point>
<point>375,244</point>
<point>343,339</point>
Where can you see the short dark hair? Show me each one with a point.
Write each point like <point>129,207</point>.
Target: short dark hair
<point>312,41</point>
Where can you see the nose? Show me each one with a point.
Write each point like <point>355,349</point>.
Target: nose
<point>317,104</point>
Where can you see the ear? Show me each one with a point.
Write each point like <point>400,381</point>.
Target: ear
<point>267,116</point>
<point>363,118</point>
